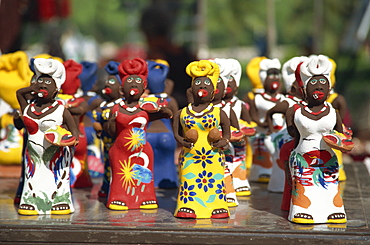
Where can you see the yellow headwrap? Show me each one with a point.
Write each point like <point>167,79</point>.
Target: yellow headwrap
<point>253,69</point>
<point>332,73</point>
<point>204,68</point>
<point>163,62</point>
<point>14,74</point>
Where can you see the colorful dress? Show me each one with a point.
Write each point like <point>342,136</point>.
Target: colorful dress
<point>131,160</point>
<point>261,143</point>
<point>102,118</point>
<point>46,187</point>
<point>314,168</point>
<point>202,191</point>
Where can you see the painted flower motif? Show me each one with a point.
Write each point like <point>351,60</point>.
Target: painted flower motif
<point>188,121</point>
<point>186,193</point>
<point>136,139</point>
<point>205,180</point>
<point>209,121</point>
<point>221,191</point>
<point>203,157</point>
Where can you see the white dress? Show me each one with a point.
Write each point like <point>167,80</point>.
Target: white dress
<point>314,169</point>
<point>46,182</point>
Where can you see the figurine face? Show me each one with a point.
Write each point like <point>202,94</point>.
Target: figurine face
<point>220,90</point>
<point>202,89</point>
<point>45,87</point>
<point>112,87</point>
<point>231,88</point>
<point>317,89</point>
<point>272,81</point>
<point>133,87</point>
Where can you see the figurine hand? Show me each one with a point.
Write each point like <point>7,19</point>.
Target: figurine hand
<point>167,113</point>
<point>187,144</point>
<point>222,143</point>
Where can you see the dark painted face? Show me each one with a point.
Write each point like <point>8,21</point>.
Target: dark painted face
<point>202,89</point>
<point>112,87</point>
<point>272,81</point>
<point>317,89</point>
<point>133,87</point>
<point>231,88</point>
<point>45,87</point>
<point>220,89</point>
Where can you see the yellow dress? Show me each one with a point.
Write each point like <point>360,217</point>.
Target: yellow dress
<point>202,189</point>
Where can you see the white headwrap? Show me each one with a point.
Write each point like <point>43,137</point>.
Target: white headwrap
<point>224,69</point>
<point>288,70</point>
<point>51,67</point>
<point>267,64</point>
<point>315,65</point>
<point>236,70</point>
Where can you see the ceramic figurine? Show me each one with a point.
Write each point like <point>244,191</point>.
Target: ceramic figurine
<point>279,138</point>
<point>48,155</point>
<point>14,74</point>
<point>252,70</point>
<point>202,187</point>
<point>314,167</point>
<point>160,133</point>
<point>241,110</point>
<point>131,156</point>
<point>101,112</point>
<point>218,101</point>
<point>88,78</point>
<point>77,106</point>
<point>284,143</point>
<point>262,143</point>
<point>339,103</point>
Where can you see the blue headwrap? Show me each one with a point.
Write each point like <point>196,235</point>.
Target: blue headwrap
<point>88,75</point>
<point>112,69</point>
<point>157,74</point>
<point>32,65</point>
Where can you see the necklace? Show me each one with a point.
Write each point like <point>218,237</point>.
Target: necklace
<point>130,109</point>
<point>315,113</point>
<point>33,110</point>
<point>269,97</point>
<point>110,104</point>
<point>198,114</point>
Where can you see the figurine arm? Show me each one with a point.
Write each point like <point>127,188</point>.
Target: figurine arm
<point>280,107</point>
<point>245,113</point>
<point>164,112</point>
<point>71,125</point>
<point>225,126</point>
<point>291,127</point>
<point>340,105</point>
<point>234,120</point>
<point>110,126</point>
<point>22,96</point>
<point>178,131</point>
<point>254,114</point>
<point>81,109</point>
<point>338,126</point>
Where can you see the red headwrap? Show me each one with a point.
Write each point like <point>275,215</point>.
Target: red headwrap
<point>136,66</point>
<point>298,75</point>
<point>72,83</point>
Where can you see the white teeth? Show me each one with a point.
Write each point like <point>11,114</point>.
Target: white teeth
<point>103,91</point>
<point>132,92</point>
<point>315,96</point>
<point>200,93</point>
<point>40,95</point>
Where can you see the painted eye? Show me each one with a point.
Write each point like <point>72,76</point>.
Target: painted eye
<point>111,81</point>
<point>313,81</point>
<point>139,80</point>
<point>130,79</point>
<point>197,82</point>
<point>33,80</point>
<point>271,76</point>
<point>219,80</point>
<point>231,79</point>
<point>322,81</point>
<point>47,82</point>
<point>39,80</point>
<point>207,82</point>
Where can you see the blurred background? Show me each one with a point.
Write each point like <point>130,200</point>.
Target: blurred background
<point>183,30</point>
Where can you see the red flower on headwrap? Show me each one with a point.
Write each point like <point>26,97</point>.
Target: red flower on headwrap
<point>72,83</point>
<point>135,66</point>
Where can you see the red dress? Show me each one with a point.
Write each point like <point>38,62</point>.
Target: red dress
<point>131,158</point>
